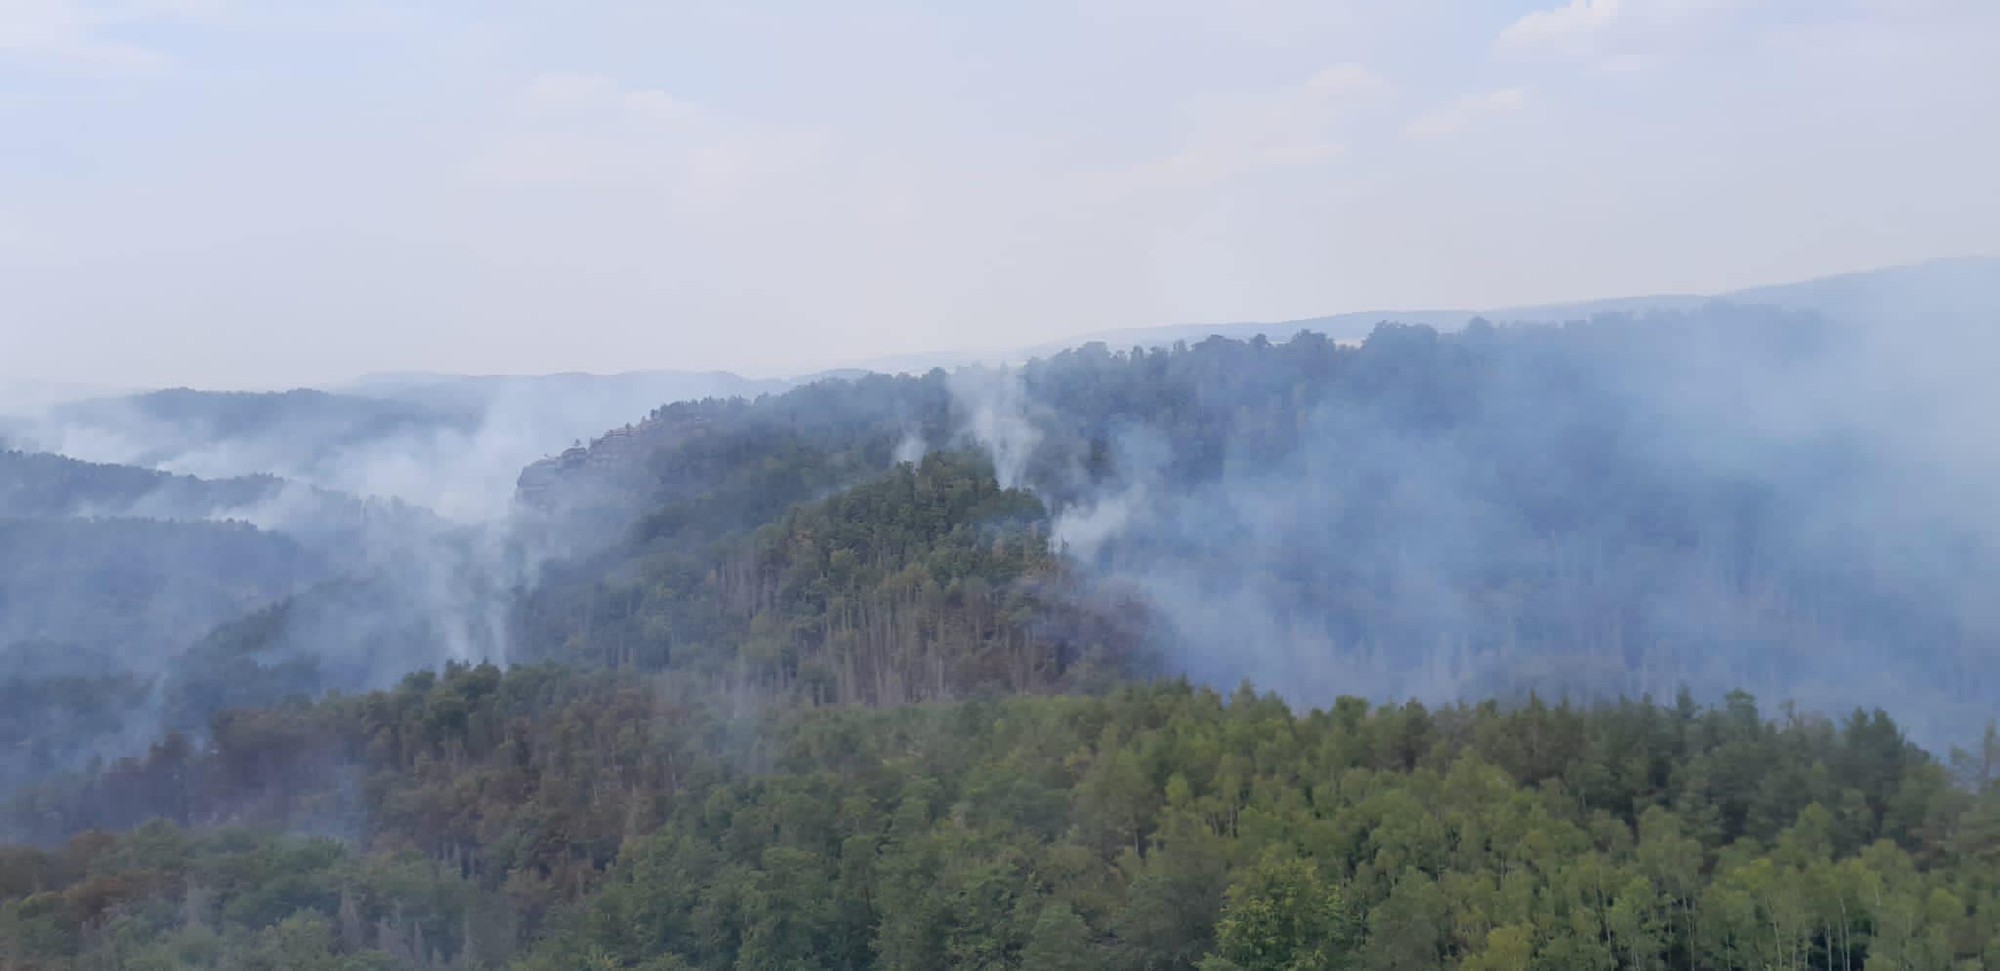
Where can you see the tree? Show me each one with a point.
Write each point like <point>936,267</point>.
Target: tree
<point>1059,941</point>
<point>1407,930</point>
<point>1281,915</point>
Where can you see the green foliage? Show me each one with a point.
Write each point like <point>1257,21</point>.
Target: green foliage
<point>557,819</point>
<point>164,898</point>
<point>821,709</point>
<point>1282,915</point>
<point>926,581</point>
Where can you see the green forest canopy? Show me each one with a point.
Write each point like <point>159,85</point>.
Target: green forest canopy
<point>548,818</point>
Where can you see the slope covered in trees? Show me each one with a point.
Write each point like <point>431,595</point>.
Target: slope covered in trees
<point>130,583</point>
<point>1736,497</point>
<point>545,818</point>
<point>39,485</point>
<point>91,611</point>
<point>117,559</point>
<point>927,581</point>
<point>122,589</point>
<point>1733,498</point>
<point>864,675</point>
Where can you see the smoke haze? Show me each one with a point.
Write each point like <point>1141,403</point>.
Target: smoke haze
<point>1735,496</point>
<point>1786,495</point>
<point>180,552</point>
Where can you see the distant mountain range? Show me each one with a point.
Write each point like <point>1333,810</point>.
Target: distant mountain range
<point>451,443</point>
<point>1957,283</point>
<point>454,443</point>
<point>589,403</point>
<point>630,393</point>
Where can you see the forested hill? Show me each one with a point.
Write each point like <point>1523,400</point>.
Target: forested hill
<point>115,579</point>
<point>44,486</point>
<point>119,564</point>
<point>1737,497</point>
<point>133,563</point>
<point>901,672</point>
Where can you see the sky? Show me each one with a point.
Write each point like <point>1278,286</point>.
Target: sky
<point>263,193</point>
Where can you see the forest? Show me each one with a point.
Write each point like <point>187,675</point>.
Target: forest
<point>943,670</point>
<point>1733,498</point>
<point>547,817</point>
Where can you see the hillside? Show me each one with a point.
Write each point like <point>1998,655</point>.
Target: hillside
<point>1605,508</point>
<point>1614,508</point>
<point>92,610</point>
<point>39,485</point>
<point>119,556</point>
<point>895,672</point>
<point>138,585</point>
<point>1103,486</point>
<point>118,582</point>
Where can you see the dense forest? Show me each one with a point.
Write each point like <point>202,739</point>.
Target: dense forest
<point>551,818</point>
<point>929,581</point>
<point>1719,500</point>
<point>904,672</point>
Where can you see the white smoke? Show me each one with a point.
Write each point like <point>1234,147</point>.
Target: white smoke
<point>997,408</point>
<point>911,449</point>
<point>1374,559</point>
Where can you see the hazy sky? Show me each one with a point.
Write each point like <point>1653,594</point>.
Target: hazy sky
<point>268,192</point>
